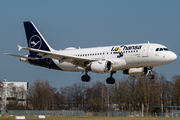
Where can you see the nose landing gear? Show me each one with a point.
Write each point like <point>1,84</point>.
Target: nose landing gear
<point>150,73</point>
<point>151,76</point>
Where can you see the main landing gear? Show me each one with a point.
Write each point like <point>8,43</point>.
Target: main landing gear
<point>86,78</point>
<point>110,80</point>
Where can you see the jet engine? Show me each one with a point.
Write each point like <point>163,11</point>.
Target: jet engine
<point>137,72</point>
<point>101,66</point>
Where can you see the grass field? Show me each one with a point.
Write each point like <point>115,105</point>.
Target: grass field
<point>91,118</point>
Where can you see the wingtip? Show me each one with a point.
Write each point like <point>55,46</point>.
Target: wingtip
<point>8,54</point>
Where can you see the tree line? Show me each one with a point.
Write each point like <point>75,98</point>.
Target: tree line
<point>127,94</point>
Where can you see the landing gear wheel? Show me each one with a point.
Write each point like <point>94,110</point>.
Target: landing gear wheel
<point>151,76</point>
<point>110,80</point>
<point>88,78</point>
<point>85,78</point>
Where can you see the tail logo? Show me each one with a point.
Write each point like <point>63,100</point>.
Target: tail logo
<point>35,42</point>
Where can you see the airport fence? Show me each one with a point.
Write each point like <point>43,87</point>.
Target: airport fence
<point>96,113</point>
<point>71,113</point>
<point>123,113</point>
<point>173,113</point>
<point>47,112</point>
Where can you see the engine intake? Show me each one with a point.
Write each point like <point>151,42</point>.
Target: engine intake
<point>137,72</point>
<point>101,66</point>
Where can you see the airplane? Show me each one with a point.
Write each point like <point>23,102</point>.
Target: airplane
<point>136,60</point>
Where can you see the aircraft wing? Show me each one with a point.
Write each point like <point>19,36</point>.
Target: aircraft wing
<point>80,61</point>
<point>31,58</point>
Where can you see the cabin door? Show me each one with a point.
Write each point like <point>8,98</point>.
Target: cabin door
<point>145,51</point>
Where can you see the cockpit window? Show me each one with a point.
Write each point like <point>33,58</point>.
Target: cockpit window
<point>165,49</point>
<point>162,49</point>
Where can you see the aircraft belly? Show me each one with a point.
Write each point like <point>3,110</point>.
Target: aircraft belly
<point>66,66</point>
<point>119,64</point>
<point>47,63</point>
<point>132,62</point>
<point>138,62</point>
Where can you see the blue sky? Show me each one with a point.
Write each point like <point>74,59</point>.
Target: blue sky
<point>85,23</point>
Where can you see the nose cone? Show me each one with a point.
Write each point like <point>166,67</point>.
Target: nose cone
<point>165,57</point>
<point>168,57</point>
<point>173,57</point>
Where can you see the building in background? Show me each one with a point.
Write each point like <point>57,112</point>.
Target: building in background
<point>13,93</point>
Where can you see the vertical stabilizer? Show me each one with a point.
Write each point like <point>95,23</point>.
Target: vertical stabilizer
<point>34,38</point>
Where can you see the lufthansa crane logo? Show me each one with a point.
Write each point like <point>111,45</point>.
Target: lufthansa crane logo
<point>35,42</point>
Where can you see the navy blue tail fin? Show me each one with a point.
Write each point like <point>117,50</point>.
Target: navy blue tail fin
<point>34,38</point>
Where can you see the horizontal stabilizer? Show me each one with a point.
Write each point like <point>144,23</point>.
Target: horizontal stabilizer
<point>19,47</point>
<point>30,58</point>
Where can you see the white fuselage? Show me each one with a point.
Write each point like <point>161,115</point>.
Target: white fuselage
<point>132,56</point>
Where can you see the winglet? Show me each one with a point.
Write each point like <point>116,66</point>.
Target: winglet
<point>19,47</point>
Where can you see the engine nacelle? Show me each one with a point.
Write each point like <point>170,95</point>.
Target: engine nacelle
<point>101,66</point>
<point>137,72</point>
